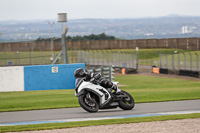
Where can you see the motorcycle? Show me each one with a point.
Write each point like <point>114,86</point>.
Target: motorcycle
<point>92,97</point>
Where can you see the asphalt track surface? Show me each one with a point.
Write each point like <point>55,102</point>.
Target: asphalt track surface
<point>78,113</point>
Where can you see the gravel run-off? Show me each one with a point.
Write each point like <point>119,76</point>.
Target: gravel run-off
<point>170,126</point>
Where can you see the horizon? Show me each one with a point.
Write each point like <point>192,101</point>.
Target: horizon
<point>55,19</point>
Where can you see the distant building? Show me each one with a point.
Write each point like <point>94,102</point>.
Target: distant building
<point>187,29</point>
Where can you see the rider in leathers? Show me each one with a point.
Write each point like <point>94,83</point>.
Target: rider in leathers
<point>96,77</point>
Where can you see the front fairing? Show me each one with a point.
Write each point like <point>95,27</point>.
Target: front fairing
<point>103,94</point>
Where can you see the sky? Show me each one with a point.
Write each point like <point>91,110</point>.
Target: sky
<point>95,9</point>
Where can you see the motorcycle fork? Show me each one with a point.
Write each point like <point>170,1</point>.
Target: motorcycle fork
<point>88,96</point>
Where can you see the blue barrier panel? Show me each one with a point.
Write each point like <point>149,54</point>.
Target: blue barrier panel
<point>50,77</point>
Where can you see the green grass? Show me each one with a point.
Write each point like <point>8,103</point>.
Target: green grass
<point>142,88</point>
<point>95,123</point>
<point>154,89</point>
<point>30,100</point>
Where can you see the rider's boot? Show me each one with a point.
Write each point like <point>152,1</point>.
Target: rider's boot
<point>116,89</point>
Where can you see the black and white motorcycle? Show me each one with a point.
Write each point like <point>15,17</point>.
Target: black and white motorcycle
<point>92,97</point>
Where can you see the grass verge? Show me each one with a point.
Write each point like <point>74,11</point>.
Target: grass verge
<point>95,123</point>
<point>156,89</point>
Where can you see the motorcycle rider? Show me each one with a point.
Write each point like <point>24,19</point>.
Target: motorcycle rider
<point>95,78</point>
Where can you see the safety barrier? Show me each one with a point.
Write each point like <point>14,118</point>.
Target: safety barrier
<point>177,72</point>
<point>163,71</point>
<point>45,77</point>
<point>12,78</point>
<point>106,71</point>
<point>189,73</point>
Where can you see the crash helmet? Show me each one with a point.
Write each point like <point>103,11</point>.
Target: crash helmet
<point>79,73</point>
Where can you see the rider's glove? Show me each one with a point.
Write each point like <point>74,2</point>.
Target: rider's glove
<point>97,76</point>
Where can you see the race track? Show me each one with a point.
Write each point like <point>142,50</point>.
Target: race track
<point>78,113</point>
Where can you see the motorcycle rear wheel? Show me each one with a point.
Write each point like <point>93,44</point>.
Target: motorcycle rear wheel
<point>89,105</point>
<point>127,103</point>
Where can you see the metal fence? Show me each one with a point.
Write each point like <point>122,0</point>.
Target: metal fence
<point>180,61</point>
<point>108,57</point>
<point>91,57</point>
<point>20,58</point>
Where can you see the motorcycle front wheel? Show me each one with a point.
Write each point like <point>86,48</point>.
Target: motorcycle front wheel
<point>128,102</point>
<point>88,104</point>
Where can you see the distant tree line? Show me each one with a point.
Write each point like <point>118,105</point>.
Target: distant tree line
<point>101,36</point>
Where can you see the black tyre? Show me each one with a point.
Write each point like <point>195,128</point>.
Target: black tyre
<point>89,105</point>
<point>127,103</point>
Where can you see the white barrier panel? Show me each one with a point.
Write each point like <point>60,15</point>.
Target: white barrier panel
<point>11,78</point>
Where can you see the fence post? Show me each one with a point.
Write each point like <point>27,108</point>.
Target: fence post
<point>102,57</point>
<point>160,56</point>
<point>184,61</point>
<point>112,54</point>
<point>197,61</point>
<point>84,56</point>
<point>81,56</point>
<point>129,59</point>
<point>132,60</point>
<point>110,73</point>
<point>178,61</point>
<point>42,53</point>
<point>166,55</point>
<point>124,56</point>
<point>190,61</point>
<point>93,57</point>
<point>107,58</point>
<point>72,56</point>
<point>136,60</point>
<point>114,58</point>
<point>173,61</point>
<point>119,58</point>
<point>88,56</point>
<point>129,56</point>
<point>97,57</point>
